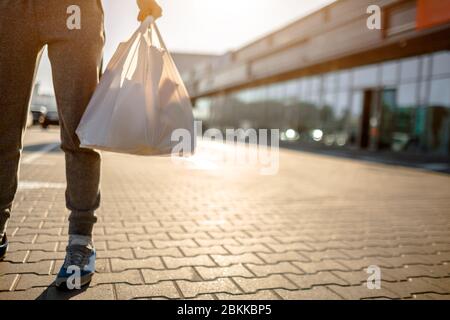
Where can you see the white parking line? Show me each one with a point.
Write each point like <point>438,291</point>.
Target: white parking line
<point>30,185</point>
<point>40,153</point>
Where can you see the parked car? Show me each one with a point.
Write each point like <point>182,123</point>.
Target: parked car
<point>36,112</point>
<point>48,116</point>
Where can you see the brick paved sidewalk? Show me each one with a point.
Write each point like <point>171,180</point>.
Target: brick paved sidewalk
<point>197,231</point>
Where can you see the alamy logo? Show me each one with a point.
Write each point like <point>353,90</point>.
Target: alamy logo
<point>374,20</point>
<point>74,281</point>
<point>246,147</point>
<point>374,279</point>
<point>73,22</point>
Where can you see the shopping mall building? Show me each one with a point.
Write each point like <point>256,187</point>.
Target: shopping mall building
<point>329,79</point>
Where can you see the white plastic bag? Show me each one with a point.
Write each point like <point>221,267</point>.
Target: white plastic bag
<point>140,101</point>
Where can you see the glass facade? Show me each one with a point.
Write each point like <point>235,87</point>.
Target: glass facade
<point>401,105</point>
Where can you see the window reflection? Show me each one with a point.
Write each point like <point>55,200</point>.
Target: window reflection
<point>366,76</point>
<point>354,121</point>
<point>344,80</point>
<point>441,63</point>
<point>330,82</point>
<point>409,69</point>
<point>440,92</point>
<point>439,116</point>
<point>425,67</point>
<point>316,84</point>
<point>389,73</point>
<point>407,95</point>
<point>413,102</point>
<point>305,86</point>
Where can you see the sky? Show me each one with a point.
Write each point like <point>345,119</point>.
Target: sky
<point>198,26</point>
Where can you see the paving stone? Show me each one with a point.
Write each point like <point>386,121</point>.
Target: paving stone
<point>431,296</point>
<point>32,231</point>
<point>121,265</point>
<point>192,289</point>
<point>260,295</point>
<point>262,240</point>
<point>114,245</point>
<point>362,292</point>
<point>296,246</point>
<point>209,273</point>
<point>268,269</point>
<point>132,224</point>
<point>204,250</point>
<point>202,260</point>
<point>282,257</point>
<point>7,281</point>
<point>104,292</point>
<point>413,271</point>
<point>155,230</point>
<point>16,257</point>
<point>42,267</point>
<point>247,249</point>
<point>332,254</point>
<point>101,266</point>
<point>189,235</point>
<point>307,281</point>
<point>17,246</point>
<point>224,234</point>
<point>148,236</point>
<point>128,276</point>
<point>264,233</point>
<point>364,263</point>
<point>155,276</point>
<point>127,230</point>
<point>216,242</point>
<point>27,239</point>
<point>300,240</point>
<point>226,260</point>
<point>36,256</point>
<point>316,293</point>
<point>161,244</point>
<point>229,234</point>
<point>270,282</point>
<point>325,265</point>
<point>28,281</point>
<point>203,297</point>
<point>165,252</point>
<point>419,285</point>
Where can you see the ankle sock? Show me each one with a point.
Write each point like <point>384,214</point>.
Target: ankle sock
<point>4,216</point>
<point>2,232</point>
<point>82,240</point>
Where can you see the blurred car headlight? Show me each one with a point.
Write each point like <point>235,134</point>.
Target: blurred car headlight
<point>317,135</point>
<point>289,135</point>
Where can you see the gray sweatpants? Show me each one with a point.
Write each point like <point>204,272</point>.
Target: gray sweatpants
<point>26,26</point>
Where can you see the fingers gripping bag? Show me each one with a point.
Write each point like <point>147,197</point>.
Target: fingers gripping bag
<point>141,105</point>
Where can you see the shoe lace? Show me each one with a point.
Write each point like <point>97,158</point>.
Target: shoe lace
<point>77,255</point>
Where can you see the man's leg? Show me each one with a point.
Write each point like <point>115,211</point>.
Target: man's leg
<point>19,51</point>
<point>75,57</point>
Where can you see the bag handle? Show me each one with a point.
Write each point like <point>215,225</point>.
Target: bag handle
<point>175,71</point>
<point>149,23</point>
<point>146,24</point>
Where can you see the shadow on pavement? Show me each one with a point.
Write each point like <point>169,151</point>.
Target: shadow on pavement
<point>434,163</point>
<point>53,293</point>
<point>38,147</point>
